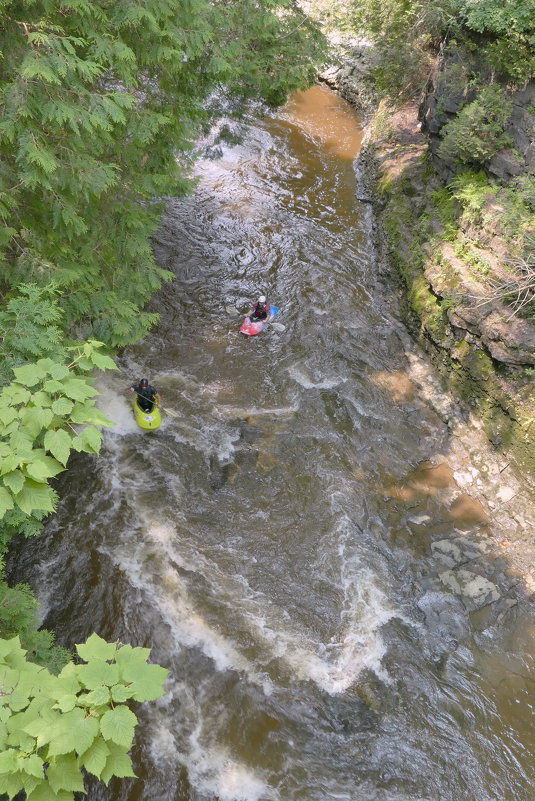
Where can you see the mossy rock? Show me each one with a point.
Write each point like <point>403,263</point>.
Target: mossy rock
<point>479,365</point>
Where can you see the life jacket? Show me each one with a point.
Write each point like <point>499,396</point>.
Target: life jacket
<point>260,311</point>
<point>145,397</point>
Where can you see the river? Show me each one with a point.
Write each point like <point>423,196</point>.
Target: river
<point>265,542</point>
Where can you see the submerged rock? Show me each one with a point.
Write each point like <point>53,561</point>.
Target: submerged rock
<point>475,591</point>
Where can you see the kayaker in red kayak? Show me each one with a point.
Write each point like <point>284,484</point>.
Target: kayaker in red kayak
<point>260,310</point>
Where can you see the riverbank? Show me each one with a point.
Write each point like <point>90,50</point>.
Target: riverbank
<point>486,475</point>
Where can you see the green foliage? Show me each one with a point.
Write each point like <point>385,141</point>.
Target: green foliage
<point>405,34</point>
<point>473,190</point>
<point>514,204</point>
<point>478,131</point>
<point>510,27</point>
<point>54,727</point>
<point>445,210</point>
<point>19,617</point>
<point>518,200</point>
<point>101,103</point>
<point>29,327</point>
<point>45,413</point>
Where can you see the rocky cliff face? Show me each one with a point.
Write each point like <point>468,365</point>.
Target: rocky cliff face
<point>448,90</point>
<point>455,247</point>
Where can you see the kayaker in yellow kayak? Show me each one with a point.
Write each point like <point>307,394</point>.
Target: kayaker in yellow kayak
<point>147,396</point>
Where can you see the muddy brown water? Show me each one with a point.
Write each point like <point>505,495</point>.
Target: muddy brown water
<point>263,542</point>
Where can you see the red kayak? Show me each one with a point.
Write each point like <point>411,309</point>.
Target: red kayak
<point>251,329</point>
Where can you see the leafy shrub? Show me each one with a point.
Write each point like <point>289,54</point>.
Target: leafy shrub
<point>19,616</point>
<point>445,209</point>
<point>478,131</point>
<point>55,727</point>
<point>29,327</point>
<point>47,411</point>
<point>512,27</point>
<point>473,190</point>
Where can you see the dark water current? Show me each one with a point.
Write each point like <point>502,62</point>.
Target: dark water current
<point>255,543</point>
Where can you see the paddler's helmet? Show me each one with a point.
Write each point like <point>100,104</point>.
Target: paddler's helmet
<point>143,383</point>
<point>262,299</point>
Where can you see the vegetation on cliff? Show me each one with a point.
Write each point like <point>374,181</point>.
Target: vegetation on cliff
<point>409,34</point>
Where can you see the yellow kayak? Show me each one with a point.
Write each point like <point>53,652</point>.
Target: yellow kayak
<point>148,421</point>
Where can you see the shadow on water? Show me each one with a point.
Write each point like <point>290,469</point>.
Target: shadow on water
<point>289,544</point>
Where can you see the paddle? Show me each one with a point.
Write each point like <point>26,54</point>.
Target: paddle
<point>170,412</point>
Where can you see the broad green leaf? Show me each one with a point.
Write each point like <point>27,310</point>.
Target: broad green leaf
<point>45,364</point>
<point>18,699</point>
<point>118,725</point>
<point>15,723</point>
<point>118,764</point>
<point>96,673</point>
<point>53,386</point>
<point>9,463</point>
<point>32,764</point>
<point>9,647</point>
<point>62,406</point>
<point>21,442</point>
<point>14,480</point>
<point>89,440</point>
<point>84,364</point>
<point>66,702</point>
<point>6,501</point>
<point>36,496</point>
<point>146,681</point>
<point>11,784</point>
<point>43,466</point>
<point>59,444</point>
<point>41,398</point>
<point>94,759</point>
<point>8,414</point>
<point>120,693</point>
<point>103,362</point>
<point>16,394</point>
<point>78,389</point>
<point>8,761</point>
<point>77,444</point>
<point>29,782</point>
<point>34,419</point>
<point>16,726</point>
<point>96,648</point>
<point>69,677</point>
<point>44,792</point>
<point>33,680</point>
<point>126,655</point>
<point>3,735</point>
<point>58,371</point>
<point>97,697</point>
<point>64,774</point>
<point>73,731</point>
<point>66,683</point>
<point>7,432</point>
<point>88,413</point>
<point>29,375</point>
